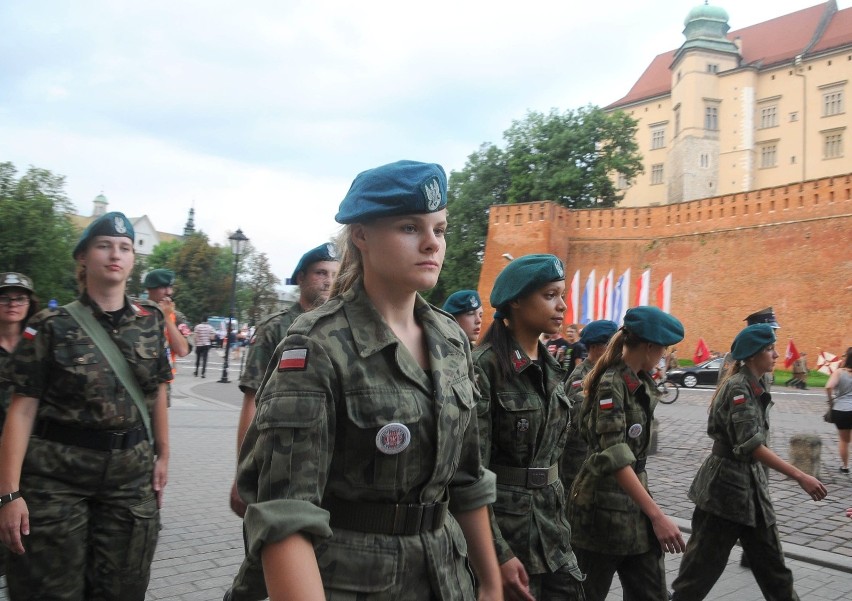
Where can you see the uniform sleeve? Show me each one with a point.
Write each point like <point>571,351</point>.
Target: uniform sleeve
<point>607,425</point>
<point>284,461</point>
<point>743,417</point>
<point>473,486</point>
<point>28,366</point>
<point>484,380</point>
<point>267,338</point>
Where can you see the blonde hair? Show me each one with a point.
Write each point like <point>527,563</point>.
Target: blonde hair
<point>351,262</point>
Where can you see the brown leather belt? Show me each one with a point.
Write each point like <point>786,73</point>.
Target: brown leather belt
<point>88,438</point>
<point>529,477</point>
<point>385,518</point>
<point>720,449</point>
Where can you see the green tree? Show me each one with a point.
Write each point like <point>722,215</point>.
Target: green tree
<point>569,158</point>
<point>37,237</point>
<point>256,296</point>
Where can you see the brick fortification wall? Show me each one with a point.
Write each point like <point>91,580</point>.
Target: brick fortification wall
<point>788,247</point>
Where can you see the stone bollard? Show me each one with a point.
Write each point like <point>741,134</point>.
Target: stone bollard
<point>805,453</point>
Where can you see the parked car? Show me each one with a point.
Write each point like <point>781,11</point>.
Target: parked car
<point>703,374</point>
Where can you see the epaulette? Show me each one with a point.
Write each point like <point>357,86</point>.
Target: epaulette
<point>631,380</point>
<point>144,307</point>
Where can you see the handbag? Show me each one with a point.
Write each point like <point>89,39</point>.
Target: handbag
<point>827,416</point>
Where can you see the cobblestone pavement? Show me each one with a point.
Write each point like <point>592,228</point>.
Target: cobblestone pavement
<point>200,545</point>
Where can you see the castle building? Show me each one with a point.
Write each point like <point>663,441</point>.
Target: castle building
<point>734,111</point>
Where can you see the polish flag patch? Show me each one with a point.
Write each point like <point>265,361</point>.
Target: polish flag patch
<point>739,399</point>
<point>606,403</point>
<point>293,359</point>
<point>576,383</point>
<point>140,311</point>
<point>30,333</point>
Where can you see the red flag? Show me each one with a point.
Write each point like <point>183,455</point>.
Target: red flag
<point>702,353</point>
<point>791,355</point>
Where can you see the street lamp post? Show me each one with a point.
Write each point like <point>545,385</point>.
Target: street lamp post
<point>238,241</point>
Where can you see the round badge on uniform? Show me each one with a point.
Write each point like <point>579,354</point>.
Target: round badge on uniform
<point>393,438</point>
<point>634,431</point>
<point>523,425</point>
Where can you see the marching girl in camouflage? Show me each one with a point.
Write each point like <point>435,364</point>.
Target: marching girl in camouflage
<point>17,305</point>
<point>595,336</point>
<point>361,469</point>
<point>523,420</point>
<point>617,525</point>
<point>731,490</point>
<point>80,497</point>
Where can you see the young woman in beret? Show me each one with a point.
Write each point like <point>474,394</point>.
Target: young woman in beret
<point>361,469</point>
<point>731,490</point>
<point>617,525</point>
<point>523,421</point>
<point>17,305</point>
<point>81,472</point>
<point>466,307</point>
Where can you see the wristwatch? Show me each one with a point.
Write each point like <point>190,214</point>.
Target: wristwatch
<point>9,497</point>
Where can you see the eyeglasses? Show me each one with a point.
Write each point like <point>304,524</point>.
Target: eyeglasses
<point>15,300</point>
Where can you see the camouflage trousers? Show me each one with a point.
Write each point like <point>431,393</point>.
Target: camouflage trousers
<point>94,524</point>
<point>560,585</point>
<point>643,576</point>
<point>707,553</point>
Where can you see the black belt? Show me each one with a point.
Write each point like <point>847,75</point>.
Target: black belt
<point>529,477</point>
<point>720,449</point>
<point>639,466</point>
<point>99,440</point>
<point>385,518</point>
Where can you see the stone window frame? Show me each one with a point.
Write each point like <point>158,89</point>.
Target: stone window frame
<point>833,98</point>
<point>658,135</point>
<point>657,174</point>
<point>832,143</point>
<point>769,154</point>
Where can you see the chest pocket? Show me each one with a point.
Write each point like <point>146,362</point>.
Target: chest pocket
<point>517,422</point>
<point>77,358</point>
<point>369,459</point>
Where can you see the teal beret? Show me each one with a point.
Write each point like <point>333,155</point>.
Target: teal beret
<point>462,301</point>
<point>323,252</point>
<point>598,332</point>
<point>751,340</point>
<point>157,278</point>
<point>653,325</point>
<point>523,275</point>
<point>400,188</point>
<point>12,279</point>
<point>109,224</point>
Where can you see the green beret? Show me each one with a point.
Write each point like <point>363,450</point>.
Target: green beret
<point>462,301</point>
<point>751,340</point>
<point>323,252</point>
<point>158,278</point>
<point>109,224</point>
<point>400,188</point>
<point>598,332</point>
<point>12,279</point>
<point>653,325</point>
<point>523,275</point>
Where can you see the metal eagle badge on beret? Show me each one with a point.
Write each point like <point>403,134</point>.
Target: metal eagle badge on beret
<point>118,223</point>
<point>557,264</point>
<point>432,192</point>
<point>393,438</point>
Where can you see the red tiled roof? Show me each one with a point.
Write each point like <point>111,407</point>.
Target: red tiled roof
<point>768,43</point>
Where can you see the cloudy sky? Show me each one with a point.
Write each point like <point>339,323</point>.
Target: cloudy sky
<point>259,113</point>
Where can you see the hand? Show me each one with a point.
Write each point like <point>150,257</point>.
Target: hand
<point>238,506</point>
<point>813,487</point>
<point>516,583</point>
<point>14,523</point>
<point>168,306</point>
<point>161,478</point>
<point>849,513</point>
<point>668,533</point>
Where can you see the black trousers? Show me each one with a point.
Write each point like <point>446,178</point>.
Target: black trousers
<point>201,358</point>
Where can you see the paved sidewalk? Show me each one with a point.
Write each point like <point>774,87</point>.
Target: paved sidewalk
<point>200,544</point>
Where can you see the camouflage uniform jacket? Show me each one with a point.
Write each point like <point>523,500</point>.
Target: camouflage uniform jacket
<point>522,424</point>
<point>615,420</point>
<point>268,335</point>
<point>5,387</point>
<point>576,448</point>
<point>736,488</point>
<point>58,364</point>
<point>337,379</point>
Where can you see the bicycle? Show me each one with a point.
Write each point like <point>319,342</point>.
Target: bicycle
<point>669,391</point>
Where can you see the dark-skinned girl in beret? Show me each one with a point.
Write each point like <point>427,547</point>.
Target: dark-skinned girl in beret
<point>84,460</point>
<point>361,469</point>
<point>523,418</point>
<point>731,490</point>
<point>618,527</point>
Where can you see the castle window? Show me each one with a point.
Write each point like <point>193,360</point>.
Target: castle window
<point>704,160</point>
<point>623,182</point>
<point>832,145</point>
<point>657,174</point>
<point>658,137</point>
<point>712,68</point>
<point>768,116</point>
<point>768,155</point>
<point>832,102</point>
<point>711,117</point>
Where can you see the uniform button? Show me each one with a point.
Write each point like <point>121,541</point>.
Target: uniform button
<point>80,359</point>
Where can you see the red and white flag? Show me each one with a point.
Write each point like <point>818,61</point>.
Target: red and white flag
<point>600,300</point>
<point>572,314</point>
<point>702,353</point>
<point>610,277</point>
<point>827,363</point>
<point>791,355</point>
<point>643,286</point>
<point>664,294</point>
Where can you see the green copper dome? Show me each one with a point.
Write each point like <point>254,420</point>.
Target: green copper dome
<point>706,12</point>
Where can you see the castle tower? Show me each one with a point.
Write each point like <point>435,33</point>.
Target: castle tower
<point>189,228</point>
<point>100,205</point>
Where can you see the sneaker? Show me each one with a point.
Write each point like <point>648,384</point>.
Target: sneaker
<point>844,470</point>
